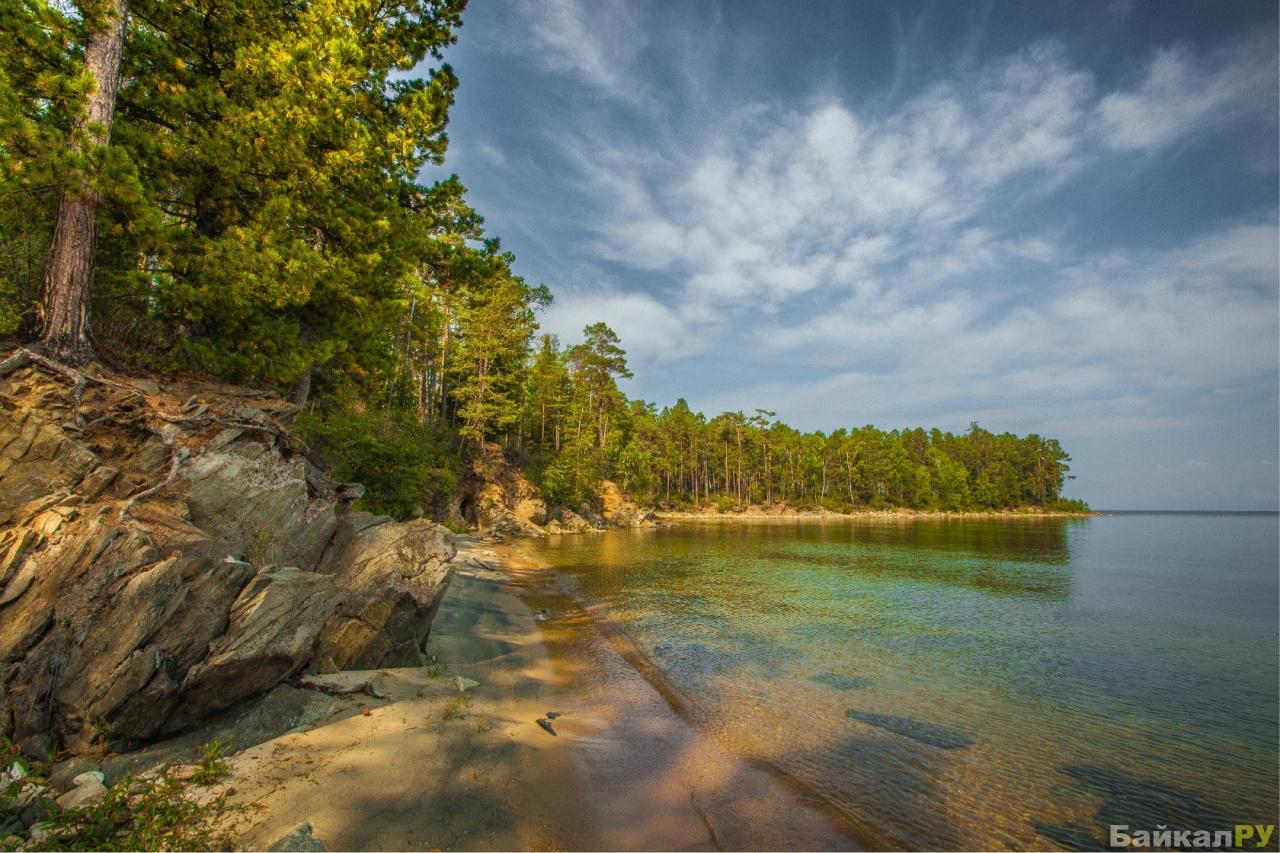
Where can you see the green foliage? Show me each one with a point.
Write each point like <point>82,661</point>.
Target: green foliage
<point>138,814</point>
<point>681,458</point>
<point>456,707</point>
<point>152,812</point>
<point>264,219</point>
<point>212,766</point>
<point>261,205</point>
<point>401,463</point>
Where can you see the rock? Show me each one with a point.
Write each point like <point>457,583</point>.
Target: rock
<point>41,831</point>
<point>63,775</point>
<point>38,747</point>
<point>284,708</point>
<point>620,512</point>
<point>570,522</point>
<point>392,577</point>
<point>551,715</point>
<point>157,572</point>
<point>246,494</point>
<point>376,687</point>
<point>546,726</point>
<point>590,516</point>
<point>82,794</point>
<point>89,776</point>
<point>337,683</point>
<point>37,809</point>
<point>183,772</point>
<point>531,510</point>
<point>299,838</point>
<point>274,624</point>
<point>464,684</point>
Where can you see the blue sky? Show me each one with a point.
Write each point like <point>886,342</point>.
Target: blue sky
<point>1056,218</point>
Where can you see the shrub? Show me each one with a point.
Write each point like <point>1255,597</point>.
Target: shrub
<point>401,463</point>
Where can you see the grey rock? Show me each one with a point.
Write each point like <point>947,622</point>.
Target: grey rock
<point>273,628</point>
<point>82,794</point>
<point>62,775</point>
<point>300,838</point>
<point>123,621</point>
<point>392,577</point>
<point>89,776</point>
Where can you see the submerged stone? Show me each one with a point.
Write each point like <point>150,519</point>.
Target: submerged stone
<point>930,734</point>
<point>841,682</point>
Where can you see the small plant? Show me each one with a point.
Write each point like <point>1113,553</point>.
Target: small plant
<point>453,525</point>
<point>152,812</point>
<point>455,707</point>
<point>137,814</point>
<point>213,766</point>
<point>484,724</point>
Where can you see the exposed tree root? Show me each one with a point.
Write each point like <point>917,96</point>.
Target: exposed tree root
<point>80,379</point>
<point>176,457</point>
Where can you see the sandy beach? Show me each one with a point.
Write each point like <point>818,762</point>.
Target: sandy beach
<point>432,767</point>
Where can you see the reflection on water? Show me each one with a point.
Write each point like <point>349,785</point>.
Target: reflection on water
<point>971,683</point>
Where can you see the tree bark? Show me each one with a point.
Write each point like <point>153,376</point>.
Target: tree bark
<point>68,275</point>
<point>302,390</point>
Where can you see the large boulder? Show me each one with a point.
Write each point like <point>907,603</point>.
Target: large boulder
<point>168,552</point>
<point>273,628</point>
<point>393,577</point>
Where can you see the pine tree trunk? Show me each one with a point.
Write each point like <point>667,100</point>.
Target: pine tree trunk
<point>301,390</point>
<point>68,274</point>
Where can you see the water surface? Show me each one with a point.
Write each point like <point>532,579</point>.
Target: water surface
<point>971,683</point>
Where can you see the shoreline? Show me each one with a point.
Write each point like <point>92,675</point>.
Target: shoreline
<point>426,766</point>
<point>645,744</point>
<point>879,514</point>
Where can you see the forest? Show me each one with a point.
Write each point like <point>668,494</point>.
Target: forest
<point>255,191</point>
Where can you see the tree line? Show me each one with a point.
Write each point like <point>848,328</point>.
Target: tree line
<point>252,190</point>
<point>576,428</point>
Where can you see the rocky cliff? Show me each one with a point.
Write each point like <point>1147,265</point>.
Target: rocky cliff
<point>497,499</point>
<point>167,551</point>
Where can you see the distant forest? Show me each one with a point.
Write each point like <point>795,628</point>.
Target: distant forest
<point>252,191</point>
<point>576,428</point>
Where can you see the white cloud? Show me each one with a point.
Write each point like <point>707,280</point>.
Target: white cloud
<point>650,331</point>
<point>860,265</point>
<point>597,42</point>
<point>1181,93</point>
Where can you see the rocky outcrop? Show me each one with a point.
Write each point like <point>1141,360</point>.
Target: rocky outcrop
<point>620,512</point>
<point>168,551</point>
<point>393,577</point>
<point>497,499</point>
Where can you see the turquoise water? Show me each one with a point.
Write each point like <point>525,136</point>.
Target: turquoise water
<point>967,684</point>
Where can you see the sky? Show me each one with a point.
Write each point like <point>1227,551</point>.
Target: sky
<point>1051,218</point>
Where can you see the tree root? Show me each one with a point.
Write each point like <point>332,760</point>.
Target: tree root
<point>176,457</point>
<point>79,379</point>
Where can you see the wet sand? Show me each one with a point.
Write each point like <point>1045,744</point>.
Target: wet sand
<point>627,769</point>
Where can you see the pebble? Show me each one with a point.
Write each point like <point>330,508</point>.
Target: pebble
<point>300,838</point>
<point>90,776</point>
<point>81,794</point>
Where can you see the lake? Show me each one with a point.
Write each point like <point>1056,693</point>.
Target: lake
<point>970,683</point>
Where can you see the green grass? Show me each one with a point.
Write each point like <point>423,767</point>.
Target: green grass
<point>456,707</point>
<point>154,812</point>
